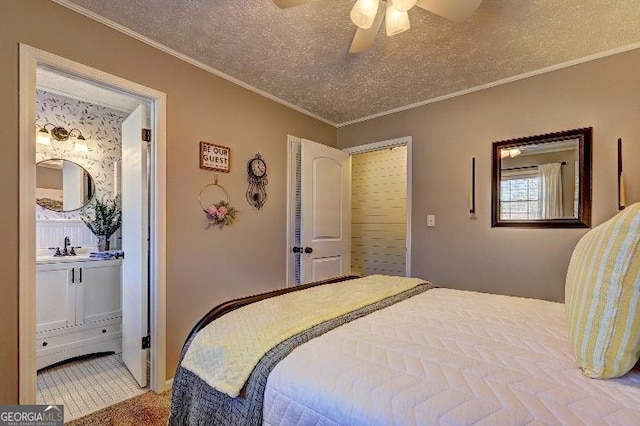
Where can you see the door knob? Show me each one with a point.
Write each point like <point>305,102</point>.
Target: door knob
<point>297,249</point>
<point>308,250</point>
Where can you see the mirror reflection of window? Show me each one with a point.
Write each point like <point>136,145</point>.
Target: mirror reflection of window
<point>519,196</point>
<point>539,181</point>
<point>550,190</point>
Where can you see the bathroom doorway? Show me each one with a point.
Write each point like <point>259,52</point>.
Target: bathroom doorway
<point>86,352</point>
<point>103,337</point>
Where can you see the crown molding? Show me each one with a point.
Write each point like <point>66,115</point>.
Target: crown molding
<point>507,80</point>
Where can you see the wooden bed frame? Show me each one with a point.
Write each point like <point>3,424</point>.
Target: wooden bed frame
<point>234,304</point>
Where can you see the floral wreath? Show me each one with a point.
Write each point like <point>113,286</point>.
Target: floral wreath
<point>221,213</point>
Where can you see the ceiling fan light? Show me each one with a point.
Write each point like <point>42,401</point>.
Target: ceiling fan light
<point>364,13</point>
<point>404,5</point>
<point>396,21</point>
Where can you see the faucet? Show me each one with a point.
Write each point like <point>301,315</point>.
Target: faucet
<point>67,243</point>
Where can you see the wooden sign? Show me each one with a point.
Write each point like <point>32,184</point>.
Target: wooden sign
<point>215,157</point>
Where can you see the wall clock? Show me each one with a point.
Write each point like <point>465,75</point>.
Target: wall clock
<point>257,178</point>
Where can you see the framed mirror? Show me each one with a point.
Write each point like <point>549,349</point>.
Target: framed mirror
<point>62,185</point>
<point>542,181</point>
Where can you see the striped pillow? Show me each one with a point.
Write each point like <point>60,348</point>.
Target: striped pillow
<point>603,297</point>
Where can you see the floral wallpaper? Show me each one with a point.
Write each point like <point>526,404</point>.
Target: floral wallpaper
<point>101,126</point>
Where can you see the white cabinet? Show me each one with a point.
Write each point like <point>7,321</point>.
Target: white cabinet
<point>55,297</point>
<point>78,309</point>
<point>98,292</point>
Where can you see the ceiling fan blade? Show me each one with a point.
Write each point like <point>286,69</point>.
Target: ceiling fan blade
<point>364,39</point>
<point>284,4</point>
<point>454,10</point>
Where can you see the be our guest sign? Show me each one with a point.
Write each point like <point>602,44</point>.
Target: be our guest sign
<point>215,157</point>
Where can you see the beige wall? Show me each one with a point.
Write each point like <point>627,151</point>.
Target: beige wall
<point>467,253</point>
<point>205,266</point>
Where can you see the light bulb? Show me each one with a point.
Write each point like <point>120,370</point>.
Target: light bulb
<point>404,5</point>
<point>43,138</point>
<point>514,152</point>
<point>396,21</point>
<point>80,145</point>
<point>364,13</point>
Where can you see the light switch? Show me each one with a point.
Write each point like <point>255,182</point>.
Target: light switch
<point>431,220</point>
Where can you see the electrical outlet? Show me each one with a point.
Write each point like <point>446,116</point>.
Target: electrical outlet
<point>431,220</point>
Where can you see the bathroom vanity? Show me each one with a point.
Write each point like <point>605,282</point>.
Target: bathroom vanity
<point>79,307</point>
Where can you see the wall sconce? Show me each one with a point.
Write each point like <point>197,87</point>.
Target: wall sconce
<point>622,199</point>
<point>472,190</point>
<point>44,137</point>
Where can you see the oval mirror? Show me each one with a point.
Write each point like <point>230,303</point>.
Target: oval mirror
<point>543,181</point>
<point>62,185</point>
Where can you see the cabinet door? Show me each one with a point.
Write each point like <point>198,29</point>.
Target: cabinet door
<point>55,297</point>
<point>98,294</point>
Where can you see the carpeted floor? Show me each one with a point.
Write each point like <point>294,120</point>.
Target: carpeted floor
<point>148,409</point>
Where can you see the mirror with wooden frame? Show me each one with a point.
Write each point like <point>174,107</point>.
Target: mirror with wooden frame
<point>62,185</point>
<point>542,181</point>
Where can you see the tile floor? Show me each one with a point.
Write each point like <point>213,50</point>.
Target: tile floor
<point>86,385</point>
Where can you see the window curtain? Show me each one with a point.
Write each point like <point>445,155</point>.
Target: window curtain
<point>550,190</point>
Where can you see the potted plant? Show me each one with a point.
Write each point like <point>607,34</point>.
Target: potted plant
<point>105,221</point>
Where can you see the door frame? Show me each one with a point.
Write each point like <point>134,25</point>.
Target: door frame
<point>30,59</point>
<point>390,143</point>
<point>291,208</point>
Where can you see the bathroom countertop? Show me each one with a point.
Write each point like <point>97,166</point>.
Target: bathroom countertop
<point>67,259</point>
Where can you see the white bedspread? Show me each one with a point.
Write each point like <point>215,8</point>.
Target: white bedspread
<point>447,357</point>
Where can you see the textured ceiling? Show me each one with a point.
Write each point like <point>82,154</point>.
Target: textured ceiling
<point>300,55</point>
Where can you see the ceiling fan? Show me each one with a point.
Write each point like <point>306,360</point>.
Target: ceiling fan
<point>367,15</point>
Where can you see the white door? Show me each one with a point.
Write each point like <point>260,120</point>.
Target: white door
<point>325,212</point>
<point>73,184</point>
<point>134,243</point>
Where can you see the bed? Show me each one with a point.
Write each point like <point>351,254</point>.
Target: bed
<point>420,356</point>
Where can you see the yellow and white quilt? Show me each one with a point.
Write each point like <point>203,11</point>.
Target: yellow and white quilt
<point>225,352</point>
